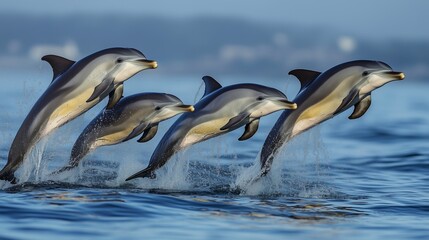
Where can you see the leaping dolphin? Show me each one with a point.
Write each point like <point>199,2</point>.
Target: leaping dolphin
<point>221,110</point>
<point>323,96</point>
<point>76,87</point>
<point>131,116</point>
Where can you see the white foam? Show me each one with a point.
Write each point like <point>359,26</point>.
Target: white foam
<point>296,170</point>
<point>33,167</point>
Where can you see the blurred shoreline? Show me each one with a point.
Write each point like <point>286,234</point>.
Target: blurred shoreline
<point>202,45</point>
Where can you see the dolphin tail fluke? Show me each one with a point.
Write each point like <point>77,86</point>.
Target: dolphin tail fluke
<point>259,176</point>
<point>147,172</point>
<point>7,176</point>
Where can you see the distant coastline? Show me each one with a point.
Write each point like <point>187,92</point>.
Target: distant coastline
<point>203,44</point>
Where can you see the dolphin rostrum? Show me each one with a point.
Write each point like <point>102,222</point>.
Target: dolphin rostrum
<point>221,110</point>
<point>323,96</point>
<point>75,88</point>
<point>131,116</point>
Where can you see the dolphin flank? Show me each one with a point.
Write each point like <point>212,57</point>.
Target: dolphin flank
<point>76,87</point>
<point>221,110</point>
<point>130,117</point>
<point>323,96</point>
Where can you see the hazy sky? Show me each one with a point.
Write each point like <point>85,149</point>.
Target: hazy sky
<point>367,18</point>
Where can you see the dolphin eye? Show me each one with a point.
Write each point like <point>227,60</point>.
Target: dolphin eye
<point>157,108</point>
<point>119,60</point>
<point>260,98</point>
<point>366,73</point>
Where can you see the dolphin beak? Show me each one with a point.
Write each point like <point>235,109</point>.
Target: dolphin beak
<point>185,108</point>
<point>287,104</point>
<point>396,75</point>
<point>148,63</point>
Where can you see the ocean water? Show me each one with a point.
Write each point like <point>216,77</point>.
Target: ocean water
<point>347,179</point>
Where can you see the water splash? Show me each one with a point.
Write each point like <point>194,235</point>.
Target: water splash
<point>34,166</point>
<point>172,176</point>
<point>212,166</point>
<point>297,170</point>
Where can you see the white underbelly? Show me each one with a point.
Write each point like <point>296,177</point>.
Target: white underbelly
<point>204,131</point>
<point>111,139</point>
<point>70,110</point>
<point>316,114</point>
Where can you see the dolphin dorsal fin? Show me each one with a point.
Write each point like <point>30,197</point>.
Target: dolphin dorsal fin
<point>304,76</point>
<point>58,64</point>
<point>211,85</point>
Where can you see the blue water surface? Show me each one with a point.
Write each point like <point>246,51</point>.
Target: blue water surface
<point>361,179</point>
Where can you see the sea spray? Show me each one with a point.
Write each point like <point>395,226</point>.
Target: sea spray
<point>172,176</point>
<point>201,167</point>
<point>211,164</point>
<point>125,169</point>
<point>34,166</point>
<point>298,171</point>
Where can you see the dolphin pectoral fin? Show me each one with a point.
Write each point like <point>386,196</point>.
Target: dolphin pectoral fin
<point>115,95</point>
<point>250,130</point>
<point>361,107</point>
<point>304,76</point>
<point>136,131</point>
<point>104,87</point>
<point>58,64</point>
<point>148,134</point>
<point>347,101</point>
<point>211,85</point>
<point>236,121</point>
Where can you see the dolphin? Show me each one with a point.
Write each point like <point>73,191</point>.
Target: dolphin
<point>323,96</point>
<point>131,116</point>
<point>221,110</point>
<point>76,87</point>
